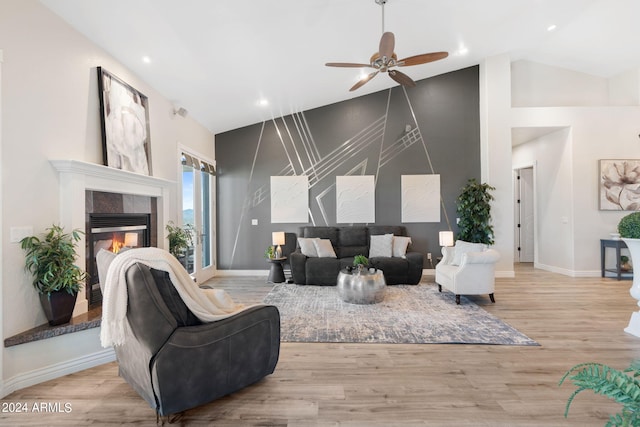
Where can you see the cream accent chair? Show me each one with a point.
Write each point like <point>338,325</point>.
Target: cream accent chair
<point>467,269</point>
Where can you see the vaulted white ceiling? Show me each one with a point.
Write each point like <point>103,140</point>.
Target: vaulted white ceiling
<point>218,58</point>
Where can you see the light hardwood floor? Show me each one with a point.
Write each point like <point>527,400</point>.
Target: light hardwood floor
<point>574,320</point>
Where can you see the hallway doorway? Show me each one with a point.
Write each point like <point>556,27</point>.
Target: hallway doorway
<point>524,244</point>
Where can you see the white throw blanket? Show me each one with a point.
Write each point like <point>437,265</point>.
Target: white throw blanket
<point>208,305</point>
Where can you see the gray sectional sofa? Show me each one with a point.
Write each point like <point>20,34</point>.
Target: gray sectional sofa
<point>347,242</point>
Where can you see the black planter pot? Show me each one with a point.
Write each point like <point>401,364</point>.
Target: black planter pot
<point>58,306</point>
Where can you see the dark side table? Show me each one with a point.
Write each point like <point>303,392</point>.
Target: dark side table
<point>616,244</point>
<point>276,272</point>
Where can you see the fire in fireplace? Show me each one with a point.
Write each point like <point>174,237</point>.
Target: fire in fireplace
<point>112,232</point>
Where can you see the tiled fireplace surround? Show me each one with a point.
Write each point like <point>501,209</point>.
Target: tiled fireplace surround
<point>77,178</point>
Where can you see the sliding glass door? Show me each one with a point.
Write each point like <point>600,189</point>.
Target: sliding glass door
<point>198,210</point>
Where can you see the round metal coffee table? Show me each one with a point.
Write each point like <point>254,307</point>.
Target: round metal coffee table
<point>361,287</point>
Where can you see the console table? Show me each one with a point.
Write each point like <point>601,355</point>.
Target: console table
<point>616,244</point>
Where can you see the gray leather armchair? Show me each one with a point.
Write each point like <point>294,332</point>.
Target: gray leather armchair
<point>175,362</point>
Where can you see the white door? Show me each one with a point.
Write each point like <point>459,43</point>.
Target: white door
<point>198,210</point>
<point>525,236</point>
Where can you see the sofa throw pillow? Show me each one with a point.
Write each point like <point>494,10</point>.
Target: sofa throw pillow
<point>381,245</point>
<point>307,247</point>
<point>324,248</point>
<point>400,244</point>
<point>463,247</point>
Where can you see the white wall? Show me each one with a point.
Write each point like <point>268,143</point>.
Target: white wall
<point>600,132</point>
<point>551,155</point>
<point>624,89</point>
<point>495,142</point>
<point>539,85</point>
<point>51,111</point>
<point>596,132</point>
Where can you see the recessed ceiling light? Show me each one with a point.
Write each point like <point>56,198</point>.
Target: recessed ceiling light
<point>146,59</point>
<point>463,50</point>
<point>263,102</point>
<point>552,27</point>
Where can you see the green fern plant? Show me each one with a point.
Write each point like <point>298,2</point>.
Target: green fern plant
<point>620,386</point>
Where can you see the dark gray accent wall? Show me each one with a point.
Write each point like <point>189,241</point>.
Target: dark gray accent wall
<point>361,136</point>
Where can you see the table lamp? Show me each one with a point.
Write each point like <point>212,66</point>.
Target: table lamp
<point>277,238</point>
<point>446,238</point>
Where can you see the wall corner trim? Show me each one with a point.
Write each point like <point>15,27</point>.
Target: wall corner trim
<point>57,370</point>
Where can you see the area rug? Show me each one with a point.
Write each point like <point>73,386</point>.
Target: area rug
<point>407,315</point>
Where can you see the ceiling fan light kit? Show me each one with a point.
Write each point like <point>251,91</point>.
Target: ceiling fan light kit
<point>385,60</point>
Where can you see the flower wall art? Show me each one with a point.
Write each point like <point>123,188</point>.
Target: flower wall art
<point>620,185</point>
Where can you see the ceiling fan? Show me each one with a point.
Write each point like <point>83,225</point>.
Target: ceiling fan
<point>385,59</point>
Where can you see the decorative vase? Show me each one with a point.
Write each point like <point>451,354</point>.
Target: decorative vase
<point>634,250</point>
<point>58,306</point>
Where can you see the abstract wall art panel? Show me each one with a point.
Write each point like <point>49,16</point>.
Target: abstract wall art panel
<point>290,199</point>
<point>124,121</point>
<point>420,198</point>
<point>355,199</point>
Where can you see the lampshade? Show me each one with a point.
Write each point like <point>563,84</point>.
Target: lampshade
<point>277,237</point>
<point>446,238</point>
<point>131,240</point>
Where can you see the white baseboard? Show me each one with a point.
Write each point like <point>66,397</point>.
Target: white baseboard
<point>58,370</point>
<point>567,272</point>
<point>228,273</point>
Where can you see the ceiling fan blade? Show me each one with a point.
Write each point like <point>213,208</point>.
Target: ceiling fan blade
<point>422,59</point>
<point>363,80</point>
<point>387,44</point>
<point>346,64</point>
<point>401,78</point>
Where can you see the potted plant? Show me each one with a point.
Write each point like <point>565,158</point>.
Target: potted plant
<point>57,279</point>
<point>360,262</point>
<point>474,207</point>
<point>629,229</point>
<point>624,263</point>
<point>269,253</point>
<point>612,383</point>
<point>180,240</point>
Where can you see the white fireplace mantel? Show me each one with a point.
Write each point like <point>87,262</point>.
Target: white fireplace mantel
<point>77,176</point>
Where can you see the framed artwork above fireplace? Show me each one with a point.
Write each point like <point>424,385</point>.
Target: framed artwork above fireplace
<point>124,120</point>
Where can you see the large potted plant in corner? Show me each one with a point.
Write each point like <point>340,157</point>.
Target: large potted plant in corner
<point>474,209</point>
<point>629,229</point>
<point>51,261</point>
